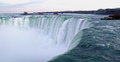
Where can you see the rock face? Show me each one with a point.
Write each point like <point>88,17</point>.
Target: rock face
<point>112,17</point>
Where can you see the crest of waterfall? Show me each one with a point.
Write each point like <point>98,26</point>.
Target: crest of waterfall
<point>61,29</point>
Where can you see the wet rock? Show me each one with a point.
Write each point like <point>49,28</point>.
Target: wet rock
<point>112,17</point>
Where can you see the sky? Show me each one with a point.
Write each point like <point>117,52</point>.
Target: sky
<point>14,6</point>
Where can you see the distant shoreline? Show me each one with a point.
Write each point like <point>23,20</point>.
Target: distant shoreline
<point>99,11</point>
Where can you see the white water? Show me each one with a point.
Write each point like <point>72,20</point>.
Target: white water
<point>37,38</point>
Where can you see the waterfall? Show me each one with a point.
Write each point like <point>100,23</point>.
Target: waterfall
<point>38,38</point>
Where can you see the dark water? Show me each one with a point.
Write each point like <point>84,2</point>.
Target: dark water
<point>100,43</point>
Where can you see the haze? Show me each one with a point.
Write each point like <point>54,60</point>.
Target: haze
<point>14,6</point>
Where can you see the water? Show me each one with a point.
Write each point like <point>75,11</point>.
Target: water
<point>99,43</point>
<point>39,38</point>
<point>59,38</point>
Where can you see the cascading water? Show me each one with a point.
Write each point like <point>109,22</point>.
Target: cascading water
<point>38,38</point>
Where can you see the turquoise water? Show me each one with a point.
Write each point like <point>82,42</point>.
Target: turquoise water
<point>100,43</point>
<point>59,38</point>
